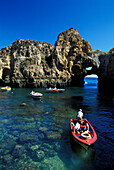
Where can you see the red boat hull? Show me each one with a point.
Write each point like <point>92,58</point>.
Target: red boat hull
<point>78,138</point>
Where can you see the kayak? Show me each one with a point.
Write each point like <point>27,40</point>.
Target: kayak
<point>36,95</point>
<point>84,140</point>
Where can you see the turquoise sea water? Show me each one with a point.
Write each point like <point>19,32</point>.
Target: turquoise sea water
<point>37,136</point>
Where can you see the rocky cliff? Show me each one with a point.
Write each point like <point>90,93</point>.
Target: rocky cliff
<point>28,63</point>
<point>105,69</point>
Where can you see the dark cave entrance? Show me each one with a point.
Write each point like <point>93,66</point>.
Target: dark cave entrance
<point>6,74</point>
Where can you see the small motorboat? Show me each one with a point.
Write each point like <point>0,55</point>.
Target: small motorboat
<point>36,95</point>
<point>51,90</point>
<point>6,88</point>
<point>84,140</point>
<point>54,90</point>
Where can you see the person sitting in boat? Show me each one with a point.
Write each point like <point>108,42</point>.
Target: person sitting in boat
<point>77,128</point>
<point>79,115</point>
<point>86,128</point>
<point>85,132</point>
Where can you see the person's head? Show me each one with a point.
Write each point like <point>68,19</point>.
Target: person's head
<point>80,110</point>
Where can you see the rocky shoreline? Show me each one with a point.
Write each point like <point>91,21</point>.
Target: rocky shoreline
<point>28,63</point>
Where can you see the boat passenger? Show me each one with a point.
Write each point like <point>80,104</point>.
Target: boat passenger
<point>77,128</point>
<point>79,115</point>
<point>86,128</point>
<point>86,134</point>
<point>33,92</point>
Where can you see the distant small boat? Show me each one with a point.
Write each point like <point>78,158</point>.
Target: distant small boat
<point>54,90</point>
<point>61,90</point>
<point>36,95</point>
<point>88,140</point>
<point>6,88</point>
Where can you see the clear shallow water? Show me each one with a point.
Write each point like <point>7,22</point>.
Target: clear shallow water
<point>37,136</point>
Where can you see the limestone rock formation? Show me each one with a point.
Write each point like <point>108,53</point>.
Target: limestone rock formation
<point>105,69</point>
<point>25,63</point>
<point>72,56</point>
<point>28,63</point>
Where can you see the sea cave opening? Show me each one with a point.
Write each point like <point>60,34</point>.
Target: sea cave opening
<point>6,73</point>
<point>91,79</point>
